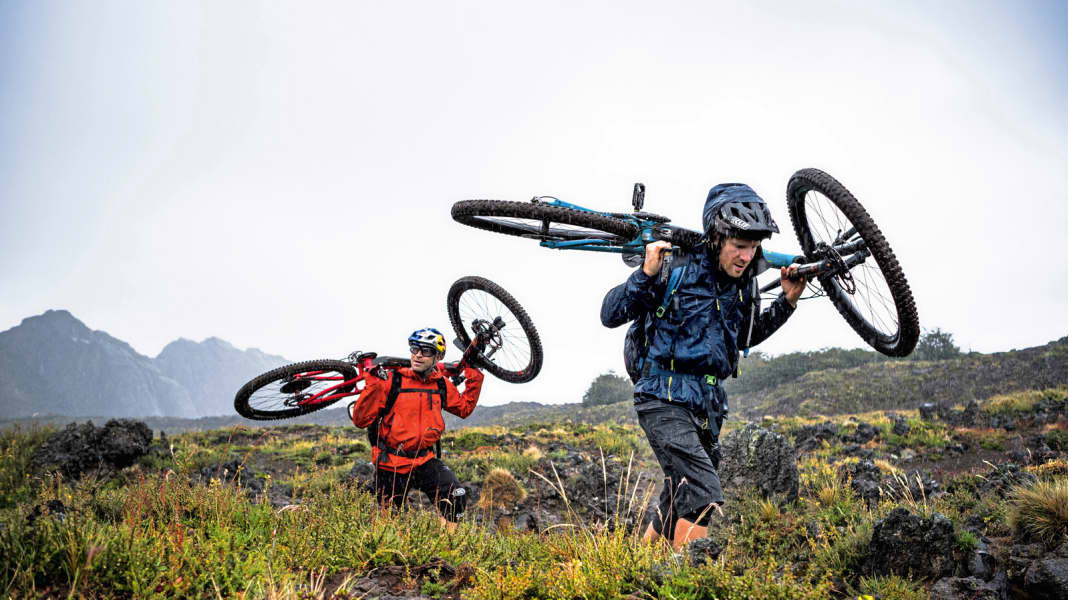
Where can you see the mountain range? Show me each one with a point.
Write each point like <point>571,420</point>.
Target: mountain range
<point>54,364</point>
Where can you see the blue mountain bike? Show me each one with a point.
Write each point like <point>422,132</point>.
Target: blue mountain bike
<point>844,254</point>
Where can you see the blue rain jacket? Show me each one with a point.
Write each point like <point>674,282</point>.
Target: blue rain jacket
<point>695,337</point>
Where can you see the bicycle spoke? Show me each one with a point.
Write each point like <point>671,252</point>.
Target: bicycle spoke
<point>514,352</point>
<point>270,397</point>
<point>872,300</point>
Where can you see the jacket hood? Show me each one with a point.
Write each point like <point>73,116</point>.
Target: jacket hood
<point>722,194</point>
<point>734,192</point>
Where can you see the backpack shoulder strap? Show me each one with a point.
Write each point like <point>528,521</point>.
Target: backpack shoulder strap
<point>391,399</point>
<point>678,272</point>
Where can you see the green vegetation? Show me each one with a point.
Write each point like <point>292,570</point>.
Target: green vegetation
<point>163,528</point>
<point>759,372</point>
<point>826,383</point>
<point>935,344</point>
<point>1022,401</point>
<point>608,388</point>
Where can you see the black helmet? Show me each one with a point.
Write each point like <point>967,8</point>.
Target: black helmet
<point>735,210</point>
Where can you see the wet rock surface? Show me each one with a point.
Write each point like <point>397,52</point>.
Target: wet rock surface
<point>966,588</point>
<point>864,478</point>
<point>810,437</point>
<point>1003,478</point>
<point>1047,578</point>
<point>703,550</point>
<point>900,425</point>
<point>908,545</point>
<point>864,433</point>
<point>79,448</point>
<point>754,457</point>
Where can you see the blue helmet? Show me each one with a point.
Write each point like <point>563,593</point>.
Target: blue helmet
<point>428,337</point>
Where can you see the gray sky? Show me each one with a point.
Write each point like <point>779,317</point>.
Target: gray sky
<point>280,174</point>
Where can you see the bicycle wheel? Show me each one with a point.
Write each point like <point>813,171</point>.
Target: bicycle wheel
<point>278,394</point>
<point>514,353</point>
<point>542,222</point>
<point>875,299</point>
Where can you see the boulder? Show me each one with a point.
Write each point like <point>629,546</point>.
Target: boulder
<point>755,457</point>
<point>79,448</point>
<point>362,473</point>
<point>703,550</point>
<point>863,478</point>
<point>907,545</point>
<point>1020,558</point>
<point>1047,578</point>
<point>810,437</point>
<point>981,563</point>
<point>966,588</point>
<point>865,433</point>
<point>901,425</point>
<point>928,411</point>
<point>1003,478</point>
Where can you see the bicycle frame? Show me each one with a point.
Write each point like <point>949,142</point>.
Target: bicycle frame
<point>365,362</point>
<point>650,230</point>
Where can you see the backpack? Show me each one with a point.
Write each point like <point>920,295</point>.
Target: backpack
<point>391,399</point>
<point>636,342</point>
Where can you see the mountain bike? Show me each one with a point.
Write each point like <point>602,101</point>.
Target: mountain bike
<point>492,327</point>
<point>844,255</point>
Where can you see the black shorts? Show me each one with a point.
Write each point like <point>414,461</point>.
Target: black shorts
<point>688,453</point>
<point>432,478</point>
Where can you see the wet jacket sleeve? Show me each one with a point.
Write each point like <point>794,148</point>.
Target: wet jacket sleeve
<point>767,322</point>
<point>461,404</point>
<point>372,399</point>
<point>629,299</point>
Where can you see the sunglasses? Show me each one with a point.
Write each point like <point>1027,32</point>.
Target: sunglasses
<point>423,351</point>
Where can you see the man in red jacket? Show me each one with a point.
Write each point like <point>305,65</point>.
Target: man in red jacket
<point>409,427</point>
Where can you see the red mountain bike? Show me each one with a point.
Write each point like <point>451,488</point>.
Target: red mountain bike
<point>489,323</point>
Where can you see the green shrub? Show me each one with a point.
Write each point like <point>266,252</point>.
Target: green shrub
<point>608,388</point>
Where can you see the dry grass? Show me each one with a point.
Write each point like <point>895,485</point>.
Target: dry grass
<point>534,453</point>
<point>501,489</point>
<point>1050,470</point>
<point>1040,512</point>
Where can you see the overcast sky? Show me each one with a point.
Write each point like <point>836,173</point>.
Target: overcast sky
<point>280,174</point>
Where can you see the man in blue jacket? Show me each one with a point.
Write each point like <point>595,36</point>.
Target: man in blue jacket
<point>689,335</point>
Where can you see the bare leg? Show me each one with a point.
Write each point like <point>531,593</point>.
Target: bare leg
<point>650,534</point>
<point>687,531</point>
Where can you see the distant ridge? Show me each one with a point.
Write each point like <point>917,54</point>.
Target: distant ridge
<point>54,366</point>
<point>53,363</point>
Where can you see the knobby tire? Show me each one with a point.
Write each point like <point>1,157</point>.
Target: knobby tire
<point>521,360</point>
<point>542,222</point>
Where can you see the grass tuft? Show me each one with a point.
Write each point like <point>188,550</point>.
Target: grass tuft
<point>1040,512</point>
<point>501,489</point>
